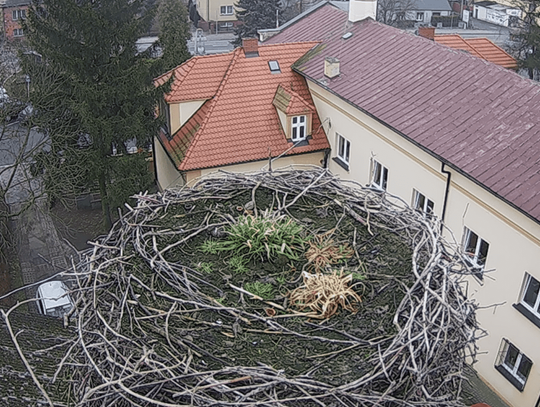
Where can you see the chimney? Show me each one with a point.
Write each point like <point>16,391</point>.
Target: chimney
<point>362,9</point>
<point>251,47</point>
<point>427,32</point>
<point>331,67</point>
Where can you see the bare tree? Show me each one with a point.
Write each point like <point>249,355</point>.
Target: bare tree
<point>395,12</point>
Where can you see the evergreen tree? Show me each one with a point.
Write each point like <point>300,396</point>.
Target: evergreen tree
<point>92,91</point>
<point>527,41</point>
<point>255,15</point>
<point>173,33</point>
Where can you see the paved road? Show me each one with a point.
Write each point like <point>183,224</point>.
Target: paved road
<point>16,140</point>
<point>41,251</point>
<point>214,43</point>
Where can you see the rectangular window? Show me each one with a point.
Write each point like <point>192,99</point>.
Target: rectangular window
<point>531,299</point>
<point>419,16</point>
<point>476,250</point>
<point>343,148</point>
<point>226,10</point>
<point>299,128</point>
<point>513,365</point>
<point>380,176</point>
<point>18,14</point>
<point>18,32</point>
<point>422,204</point>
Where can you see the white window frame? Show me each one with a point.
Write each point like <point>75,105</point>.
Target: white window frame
<point>18,32</point>
<point>514,370</point>
<point>343,148</point>
<point>19,14</point>
<point>379,176</point>
<point>298,128</point>
<point>226,10</point>
<point>474,257</point>
<point>427,208</point>
<point>535,309</point>
<point>420,16</point>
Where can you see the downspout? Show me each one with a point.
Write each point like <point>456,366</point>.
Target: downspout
<point>324,161</point>
<point>154,160</point>
<point>446,192</point>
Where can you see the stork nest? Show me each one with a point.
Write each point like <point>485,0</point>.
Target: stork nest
<point>169,312</point>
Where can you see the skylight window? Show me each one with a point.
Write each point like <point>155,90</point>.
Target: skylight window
<point>346,36</point>
<point>274,66</point>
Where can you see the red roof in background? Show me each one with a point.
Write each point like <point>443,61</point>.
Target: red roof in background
<point>238,123</point>
<point>479,47</point>
<point>479,117</point>
<point>457,42</point>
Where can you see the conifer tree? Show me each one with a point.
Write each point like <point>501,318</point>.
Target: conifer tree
<point>527,40</point>
<point>173,33</point>
<point>92,91</point>
<point>255,15</point>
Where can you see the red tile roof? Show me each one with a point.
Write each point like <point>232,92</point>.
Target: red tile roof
<point>238,122</point>
<point>478,117</point>
<point>296,104</point>
<point>197,79</point>
<point>479,47</point>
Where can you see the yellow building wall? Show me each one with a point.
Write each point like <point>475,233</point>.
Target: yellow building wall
<point>210,10</point>
<point>513,237</point>
<point>181,112</point>
<point>167,175</point>
<point>302,161</point>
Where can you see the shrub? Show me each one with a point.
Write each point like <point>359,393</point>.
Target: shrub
<point>263,290</point>
<point>267,236</point>
<point>238,264</point>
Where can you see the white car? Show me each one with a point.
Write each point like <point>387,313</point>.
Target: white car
<point>53,299</point>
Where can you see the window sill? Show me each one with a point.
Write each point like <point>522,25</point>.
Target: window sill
<point>508,376</point>
<point>478,270</point>
<point>341,163</point>
<point>300,143</point>
<point>527,313</point>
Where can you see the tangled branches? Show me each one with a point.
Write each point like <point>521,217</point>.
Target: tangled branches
<point>153,329</point>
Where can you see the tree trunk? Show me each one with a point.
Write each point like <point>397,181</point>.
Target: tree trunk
<point>105,208</point>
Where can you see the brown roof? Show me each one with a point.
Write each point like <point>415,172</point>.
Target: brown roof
<point>479,47</point>
<point>238,122</point>
<point>485,122</point>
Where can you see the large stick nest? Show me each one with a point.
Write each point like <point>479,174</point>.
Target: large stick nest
<point>157,325</point>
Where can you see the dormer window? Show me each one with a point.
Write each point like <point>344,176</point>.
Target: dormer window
<point>298,128</point>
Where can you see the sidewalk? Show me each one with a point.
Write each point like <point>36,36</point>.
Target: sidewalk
<point>476,391</point>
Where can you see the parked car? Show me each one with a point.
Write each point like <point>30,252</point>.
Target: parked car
<point>26,114</point>
<point>53,299</point>
<point>9,108</point>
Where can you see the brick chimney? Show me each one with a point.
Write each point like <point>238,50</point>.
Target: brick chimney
<point>362,9</point>
<point>251,47</point>
<point>427,32</point>
<point>331,67</point>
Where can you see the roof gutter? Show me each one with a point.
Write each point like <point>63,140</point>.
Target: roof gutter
<point>443,160</point>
